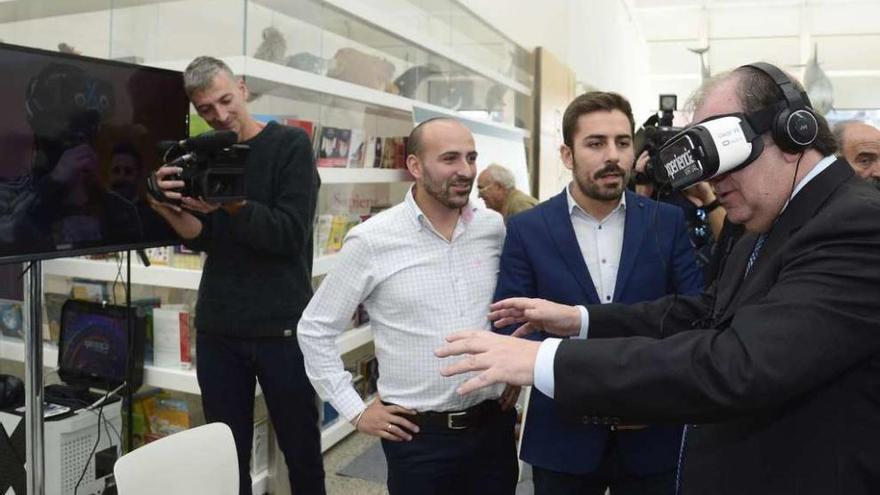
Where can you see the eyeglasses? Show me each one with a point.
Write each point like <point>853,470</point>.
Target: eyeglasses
<point>483,188</point>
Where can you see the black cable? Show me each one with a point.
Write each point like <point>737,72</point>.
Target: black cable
<point>97,441</point>
<point>656,229</point>
<point>27,269</point>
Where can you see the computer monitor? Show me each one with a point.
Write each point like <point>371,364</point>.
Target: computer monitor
<point>100,345</point>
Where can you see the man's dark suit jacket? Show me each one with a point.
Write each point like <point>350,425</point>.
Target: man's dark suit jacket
<point>785,386</point>
<point>542,258</point>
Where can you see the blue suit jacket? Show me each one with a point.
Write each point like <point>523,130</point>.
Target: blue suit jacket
<point>541,258</point>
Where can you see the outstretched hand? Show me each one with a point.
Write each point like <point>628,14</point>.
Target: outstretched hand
<point>498,358</point>
<point>537,314</point>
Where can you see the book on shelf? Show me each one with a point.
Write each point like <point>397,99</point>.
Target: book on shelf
<point>306,125</point>
<point>171,337</point>
<point>11,318</point>
<point>332,146</point>
<point>159,255</point>
<point>393,152</point>
<point>356,149</point>
<point>182,257</point>
<point>372,153</point>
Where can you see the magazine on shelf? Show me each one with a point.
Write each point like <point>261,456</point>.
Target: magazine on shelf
<point>333,146</point>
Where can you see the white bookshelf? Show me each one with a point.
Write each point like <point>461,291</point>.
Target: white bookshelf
<point>263,76</point>
<point>363,175</point>
<point>154,275</point>
<point>108,271</point>
<point>180,380</point>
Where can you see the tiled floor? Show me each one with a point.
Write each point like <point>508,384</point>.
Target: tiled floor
<point>341,454</point>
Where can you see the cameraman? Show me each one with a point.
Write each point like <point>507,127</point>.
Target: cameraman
<point>256,280</point>
<point>702,211</point>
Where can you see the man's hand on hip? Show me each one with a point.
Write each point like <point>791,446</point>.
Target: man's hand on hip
<point>385,421</point>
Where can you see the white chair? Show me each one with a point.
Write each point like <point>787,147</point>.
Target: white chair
<point>198,460</point>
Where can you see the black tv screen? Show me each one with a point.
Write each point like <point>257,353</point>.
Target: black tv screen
<point>78,137</point>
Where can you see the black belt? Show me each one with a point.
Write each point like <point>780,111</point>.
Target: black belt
<point>471,417</point>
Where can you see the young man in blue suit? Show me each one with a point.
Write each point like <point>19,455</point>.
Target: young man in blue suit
<point>597,243</point>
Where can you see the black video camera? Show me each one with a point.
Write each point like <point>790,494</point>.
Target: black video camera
<point>213,167</point>
<point>653,134</point>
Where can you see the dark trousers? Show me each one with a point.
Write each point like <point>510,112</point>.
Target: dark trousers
<point>439,461</point>
<point>227,370</point>
<point>611,473</point>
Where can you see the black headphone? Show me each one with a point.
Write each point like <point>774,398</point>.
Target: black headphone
<point>794,127</point>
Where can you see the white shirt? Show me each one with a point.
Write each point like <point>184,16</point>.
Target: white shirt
<point>417,287</point>
<point>601,242</point>
<point>543,376</point>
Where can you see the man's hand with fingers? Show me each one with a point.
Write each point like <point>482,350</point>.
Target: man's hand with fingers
<point>509,396</point>
<point>537,314</point>
<point>386,421</point>
<point>498,358</point>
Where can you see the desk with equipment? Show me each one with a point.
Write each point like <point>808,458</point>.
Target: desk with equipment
<point>101,349</point>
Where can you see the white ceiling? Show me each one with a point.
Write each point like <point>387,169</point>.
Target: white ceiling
<point>845,32</point>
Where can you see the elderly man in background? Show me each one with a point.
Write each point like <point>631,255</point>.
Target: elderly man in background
<point>859,143</point>
<point>497,188</point>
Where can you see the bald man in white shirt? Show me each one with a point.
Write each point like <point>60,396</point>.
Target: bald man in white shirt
<point>421,269</point>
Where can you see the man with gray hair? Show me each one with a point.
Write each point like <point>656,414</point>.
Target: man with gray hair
<point>497,188</point>
<point>859,143</point>
<point>256,280</point>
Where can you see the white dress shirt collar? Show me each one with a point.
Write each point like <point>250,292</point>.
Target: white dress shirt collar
<point>572,204</point>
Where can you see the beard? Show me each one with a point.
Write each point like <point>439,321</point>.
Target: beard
<point>592,189</point>
<point>442,190</point>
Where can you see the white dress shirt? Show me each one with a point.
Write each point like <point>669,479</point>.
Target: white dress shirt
<point>417,288</point>
<point>601,242</point>
<point>543,374</point>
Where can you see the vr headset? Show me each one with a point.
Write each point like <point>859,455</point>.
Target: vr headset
<point>725,143</point>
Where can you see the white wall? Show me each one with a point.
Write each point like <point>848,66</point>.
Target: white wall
<point>600,40</point>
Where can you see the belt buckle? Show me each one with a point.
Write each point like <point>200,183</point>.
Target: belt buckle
<point>450,420</point>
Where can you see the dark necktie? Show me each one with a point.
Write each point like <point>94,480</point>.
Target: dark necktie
<point>759,243</point>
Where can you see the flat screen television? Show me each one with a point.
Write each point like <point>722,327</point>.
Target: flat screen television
<point>78,137</point>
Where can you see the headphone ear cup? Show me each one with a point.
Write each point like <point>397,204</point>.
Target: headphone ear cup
<point>802,128</point>
<point>780,132</point>
<point>795,131</point>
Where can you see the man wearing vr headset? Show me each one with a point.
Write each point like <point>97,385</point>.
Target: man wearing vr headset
<point>775,365</point>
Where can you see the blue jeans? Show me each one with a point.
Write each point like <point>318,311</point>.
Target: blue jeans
<point>227,370</point>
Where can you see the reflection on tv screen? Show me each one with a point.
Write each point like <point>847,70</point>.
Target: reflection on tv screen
<point>78,137</point>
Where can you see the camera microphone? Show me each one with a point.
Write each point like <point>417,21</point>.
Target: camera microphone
<point>208,141</point>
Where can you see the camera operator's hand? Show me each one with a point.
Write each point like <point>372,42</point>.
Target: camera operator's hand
<point>385,421</point>
<point>166,178</point>
<point>642,163</point>
<point>700,194</point>
<point>198,205</point>
<point>75,163</point>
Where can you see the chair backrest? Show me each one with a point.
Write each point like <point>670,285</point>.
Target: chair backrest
<point>198,460</point>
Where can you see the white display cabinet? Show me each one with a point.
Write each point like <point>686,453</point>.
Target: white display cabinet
<point>351,64</point>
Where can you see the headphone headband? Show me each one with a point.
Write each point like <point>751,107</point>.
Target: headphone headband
<point>794,98</point>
